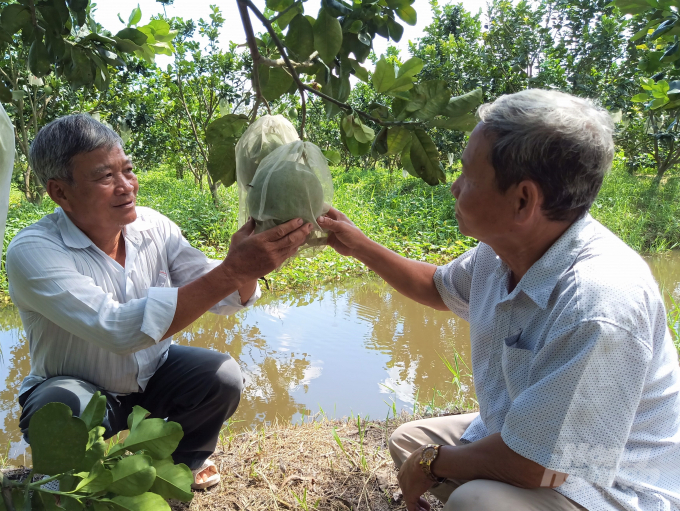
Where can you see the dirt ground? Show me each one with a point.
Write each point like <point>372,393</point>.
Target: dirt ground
<point>303,466</point>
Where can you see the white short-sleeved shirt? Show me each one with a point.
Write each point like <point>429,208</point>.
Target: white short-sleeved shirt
<point>88,317</point>
<point>575,368</point>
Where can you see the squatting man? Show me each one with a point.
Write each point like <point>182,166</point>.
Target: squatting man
<point>102,286</point>
<point>575,372</point>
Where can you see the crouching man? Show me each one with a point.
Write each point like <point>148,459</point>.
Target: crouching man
<point>574,368</point>
<point>102,285</point>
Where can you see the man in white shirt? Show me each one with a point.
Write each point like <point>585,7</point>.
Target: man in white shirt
<point>102,285</point>
<point>575,372</point>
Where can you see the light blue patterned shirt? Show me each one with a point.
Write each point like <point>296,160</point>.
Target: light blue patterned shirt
<point>88,317</point>
<point>576,367</point>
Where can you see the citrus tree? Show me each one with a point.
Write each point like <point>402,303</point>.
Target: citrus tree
<point>302,55</point>
<point>56,58</point>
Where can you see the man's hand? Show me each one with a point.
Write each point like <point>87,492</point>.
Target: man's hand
<point>252,256</point>
<point>414,483</point>
<point>344,237</point>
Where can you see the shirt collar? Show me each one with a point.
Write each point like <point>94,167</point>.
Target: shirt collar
<point>539,282</point>
<point>75,238</point>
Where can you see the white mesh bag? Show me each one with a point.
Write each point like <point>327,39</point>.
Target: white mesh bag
<point>260,139</point>
<point>294,181</point>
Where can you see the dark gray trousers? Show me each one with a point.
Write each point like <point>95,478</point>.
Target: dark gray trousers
<point>196,387</point>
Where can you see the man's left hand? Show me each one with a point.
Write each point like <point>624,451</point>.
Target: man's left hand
<point>414,483</point>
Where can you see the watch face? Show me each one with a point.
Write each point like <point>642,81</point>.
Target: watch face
<point>429,454</point>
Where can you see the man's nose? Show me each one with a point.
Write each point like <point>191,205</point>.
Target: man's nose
<point>125,185</point>
<point>455,188</point>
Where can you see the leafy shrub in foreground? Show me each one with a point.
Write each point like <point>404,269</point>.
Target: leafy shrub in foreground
<point>137,474</point>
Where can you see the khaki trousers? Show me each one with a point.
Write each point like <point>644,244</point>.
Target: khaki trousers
<point>480,494</point>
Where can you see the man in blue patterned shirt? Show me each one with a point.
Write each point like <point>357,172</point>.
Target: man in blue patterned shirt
<point>575,371</point>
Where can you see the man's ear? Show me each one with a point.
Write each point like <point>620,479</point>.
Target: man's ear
<point>59,193</point>
<point>529,198</point>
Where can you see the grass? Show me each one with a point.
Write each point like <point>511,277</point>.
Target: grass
<point>320,463</point>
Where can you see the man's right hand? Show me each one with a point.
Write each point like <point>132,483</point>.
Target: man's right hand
<point>252,256</point>
<point>344,237</point>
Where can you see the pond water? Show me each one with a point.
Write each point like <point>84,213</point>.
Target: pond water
<point>357,348</point>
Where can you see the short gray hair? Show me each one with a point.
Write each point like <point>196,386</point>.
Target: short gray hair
<point>561,142</point>
<point>56,144</point>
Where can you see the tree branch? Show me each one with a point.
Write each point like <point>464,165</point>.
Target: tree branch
<point>296,77</point>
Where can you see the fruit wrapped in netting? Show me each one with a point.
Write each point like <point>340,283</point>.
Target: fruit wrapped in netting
<point>261,138</point>
<point>294,181</point>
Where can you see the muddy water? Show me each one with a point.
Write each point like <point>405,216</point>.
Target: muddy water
<point>357,348</point>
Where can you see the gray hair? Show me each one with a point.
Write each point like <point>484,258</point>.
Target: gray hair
<point>561,142</point>
<point>56,144</point>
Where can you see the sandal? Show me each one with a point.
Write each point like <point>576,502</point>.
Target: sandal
<point>211,481</point>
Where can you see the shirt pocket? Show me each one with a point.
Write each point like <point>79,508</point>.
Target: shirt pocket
<point>515,363</point>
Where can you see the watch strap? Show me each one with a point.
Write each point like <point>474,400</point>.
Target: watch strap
<point>428,455</point>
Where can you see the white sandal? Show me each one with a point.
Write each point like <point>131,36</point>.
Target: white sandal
<point>211,481</point>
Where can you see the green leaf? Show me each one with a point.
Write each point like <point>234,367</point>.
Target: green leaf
<point>658,103</point>
<point>54,421</point>
<point>96,450</point>
<point>132,34</point>
<point>332,156</point>
<point>158,438</point>
<point>285,18</point>
<point>383,76</point>
<point>94,412</point>
<point>407,14</point>
<point>172,481</point>
<point>422,158</point>
<point>222,162</point>
<point>465,122</point>
<point>397,139</point>
<point>40,501</point>
<point>429,99</point>
<point>39,59</point>
<point>274,82</point>
<point>662,29</point>
<point>144,502</point>
<point>15,17</point>
<point>380,111</point>
<point>397,4</point>
<point>379,146</point>
<point>327,36</point>
<point>96,480</point>
<point>226,127</point>
<point>135,16</point>
<point>279,5</point>
<point>5,93</point>
<point>356,26</point>
<point>77,5</point>
<point>347,125</point>
<point>137,415</point>
<point>359,71</point>
<point>461,105</point>
<point>300,38</point>
<point>411,67</point>
<point>354,146</point>
<point>132,476</point>
<point>395,30</point>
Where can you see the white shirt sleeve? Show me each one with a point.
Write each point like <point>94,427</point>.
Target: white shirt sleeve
<point>187,263</point>
<point>454,281</point>
<point>584,387</point>
<point>44,278</point>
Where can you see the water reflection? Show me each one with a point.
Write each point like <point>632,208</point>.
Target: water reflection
<point>353,348</point>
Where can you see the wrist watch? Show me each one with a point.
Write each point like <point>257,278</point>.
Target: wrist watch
<point>427,457</point>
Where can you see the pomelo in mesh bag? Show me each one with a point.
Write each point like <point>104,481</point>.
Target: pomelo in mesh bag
<point>294,181</point>
<point>261,138</point>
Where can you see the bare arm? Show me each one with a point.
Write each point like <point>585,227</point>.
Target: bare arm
<point>413,279</point>
<point>488,458</point>
<point>250,257</point>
